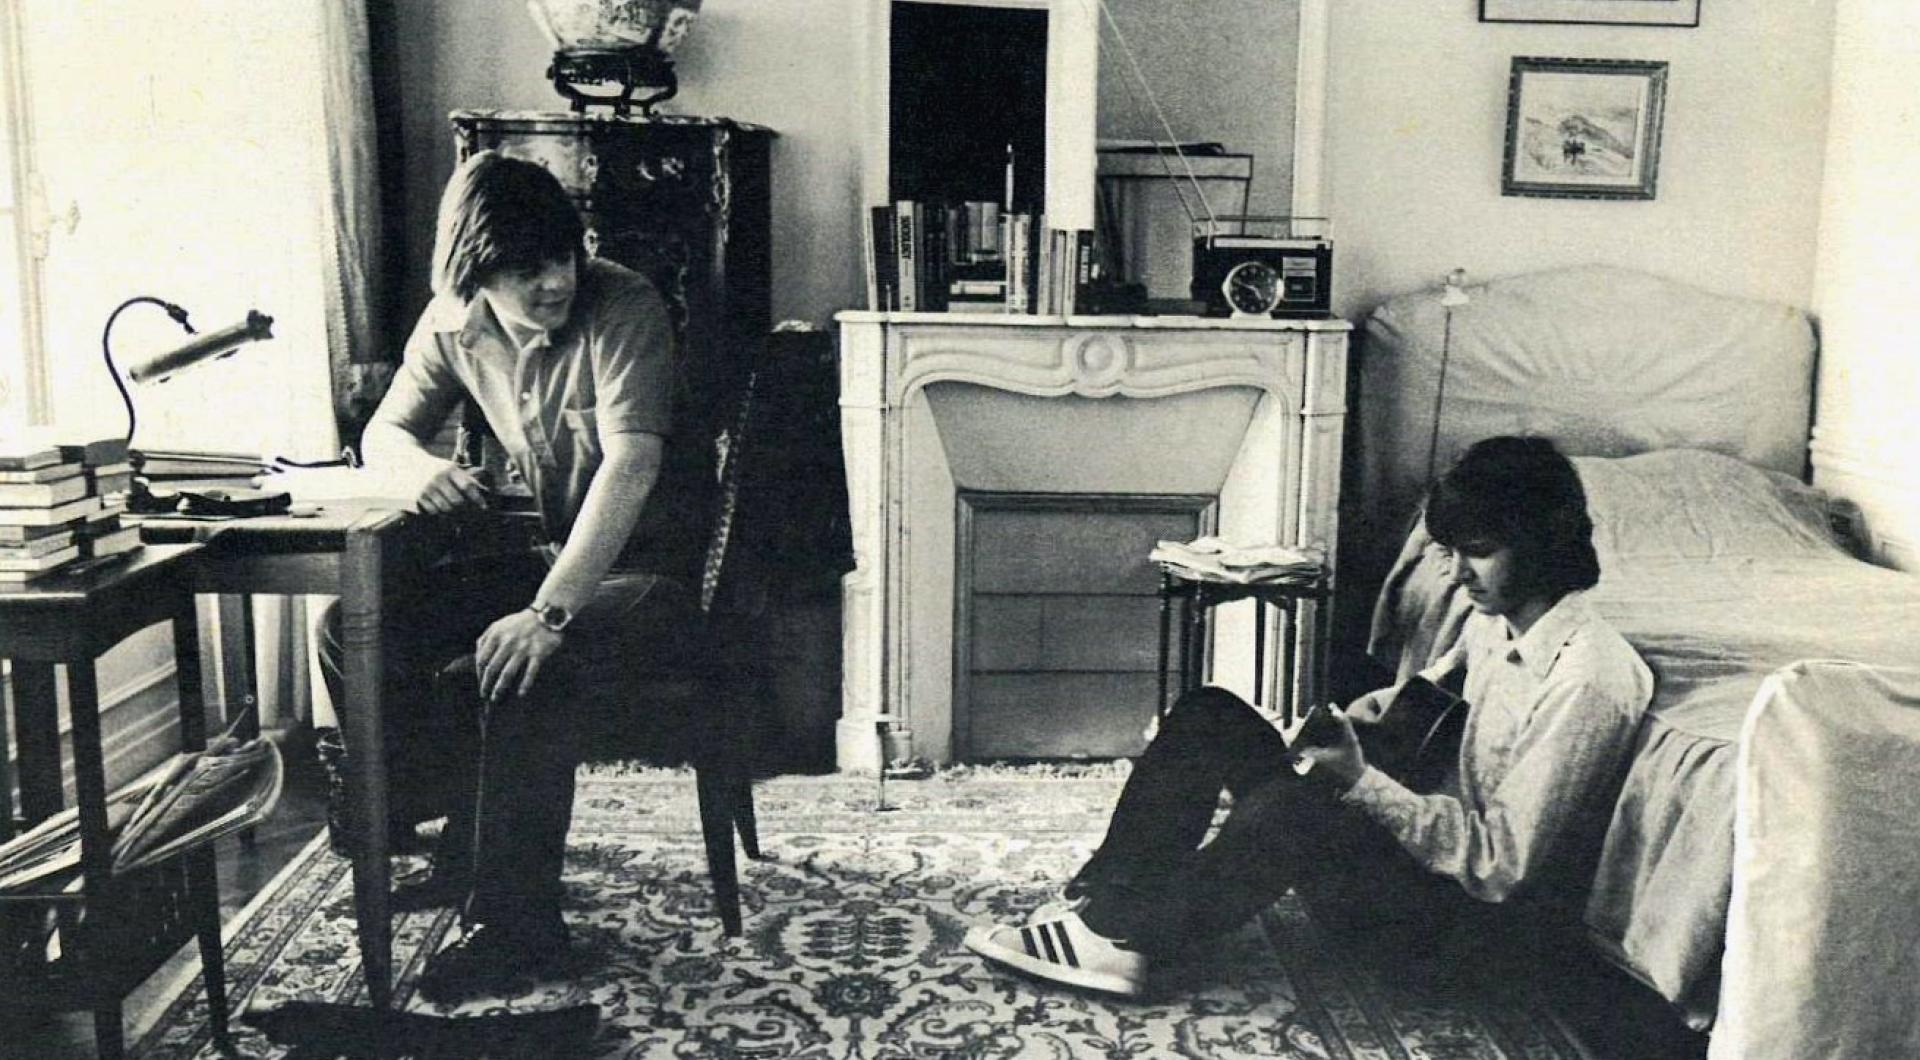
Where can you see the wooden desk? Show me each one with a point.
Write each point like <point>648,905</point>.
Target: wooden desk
<point>354,550</point>
<point>131,923</point>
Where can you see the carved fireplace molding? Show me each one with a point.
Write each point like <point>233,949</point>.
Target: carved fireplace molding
<point>1276,466</point>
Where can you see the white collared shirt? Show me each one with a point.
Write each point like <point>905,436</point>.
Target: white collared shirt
<point>1554,715</point>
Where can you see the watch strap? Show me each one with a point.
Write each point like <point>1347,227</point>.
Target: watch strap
<point>552,616</point>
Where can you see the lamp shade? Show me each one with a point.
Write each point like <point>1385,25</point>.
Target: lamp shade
<point>159,368</point>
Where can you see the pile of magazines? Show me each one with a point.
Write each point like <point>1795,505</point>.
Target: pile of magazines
<point>1210,559</point>
<point>194,799</point>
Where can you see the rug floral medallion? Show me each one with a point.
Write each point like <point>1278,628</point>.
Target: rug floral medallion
<point>852,945</point>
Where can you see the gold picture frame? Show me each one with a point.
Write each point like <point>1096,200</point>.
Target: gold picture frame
<point>1583,128</point>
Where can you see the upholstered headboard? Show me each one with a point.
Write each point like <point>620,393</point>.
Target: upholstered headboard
<point>1605,361</point>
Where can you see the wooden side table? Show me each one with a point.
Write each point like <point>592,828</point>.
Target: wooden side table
<point>117,930</point>
<point>1306,608</point>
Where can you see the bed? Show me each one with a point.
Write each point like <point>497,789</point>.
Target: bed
<point>1765,844</point>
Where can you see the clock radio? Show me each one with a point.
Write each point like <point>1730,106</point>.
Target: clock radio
<point>1245,275</point>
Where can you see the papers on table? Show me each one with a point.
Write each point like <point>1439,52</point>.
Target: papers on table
<point>397,487</point>
<point>1211,559</point>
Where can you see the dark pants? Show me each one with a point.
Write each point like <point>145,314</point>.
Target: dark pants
<point>1153,884</point>
<point>503,772</point>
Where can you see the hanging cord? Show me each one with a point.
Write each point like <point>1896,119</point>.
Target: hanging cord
<point>1133,64</point>
<point>1452,296</point>
<point>106,347</point>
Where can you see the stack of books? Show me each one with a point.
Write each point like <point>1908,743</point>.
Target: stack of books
<point>974,257</point>
<point>60,502</point>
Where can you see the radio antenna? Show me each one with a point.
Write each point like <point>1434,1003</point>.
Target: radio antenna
<point>1159,115</point>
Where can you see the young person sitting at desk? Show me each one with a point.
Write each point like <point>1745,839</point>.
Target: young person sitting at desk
<point>1556,698</point>
<point>572,361</point>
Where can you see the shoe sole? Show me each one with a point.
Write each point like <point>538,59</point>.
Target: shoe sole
<point>980,941</point>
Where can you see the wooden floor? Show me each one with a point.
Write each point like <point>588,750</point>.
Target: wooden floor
<point>1613,1018</point>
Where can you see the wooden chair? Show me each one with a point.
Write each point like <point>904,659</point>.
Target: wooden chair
<point>720,752</point>
<point>723,756</point>
<point>714,699</point>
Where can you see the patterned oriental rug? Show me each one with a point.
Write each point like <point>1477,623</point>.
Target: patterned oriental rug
<point>853,946</point>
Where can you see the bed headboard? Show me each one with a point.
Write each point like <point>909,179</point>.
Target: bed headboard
<point>1603,360</point>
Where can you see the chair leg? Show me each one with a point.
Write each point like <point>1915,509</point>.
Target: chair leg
<point>716,826</point>
<point>743,818</point>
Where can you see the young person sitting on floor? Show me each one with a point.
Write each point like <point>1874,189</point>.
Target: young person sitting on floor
<point>1556,697</point>
<point>573,363</point>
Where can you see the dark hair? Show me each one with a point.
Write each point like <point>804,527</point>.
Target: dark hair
<point>1524,494</point>
<point>500,214</point>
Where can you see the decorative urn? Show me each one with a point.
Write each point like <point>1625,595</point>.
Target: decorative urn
<point>618,48</point>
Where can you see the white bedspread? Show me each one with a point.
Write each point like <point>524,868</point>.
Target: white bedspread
<point>1821,953</point>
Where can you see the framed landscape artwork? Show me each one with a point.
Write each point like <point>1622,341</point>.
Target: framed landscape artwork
<point>1594,12</point>
<point>1583,128</point>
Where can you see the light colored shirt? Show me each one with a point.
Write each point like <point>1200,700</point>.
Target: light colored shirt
<point>552,402</point>
<point>1554,715</point>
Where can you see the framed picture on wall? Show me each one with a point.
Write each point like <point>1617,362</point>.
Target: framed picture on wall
<point>1583,128</point>
<point>1594,12</point>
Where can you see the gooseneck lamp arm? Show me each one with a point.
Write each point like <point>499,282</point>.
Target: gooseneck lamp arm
<point>106,346</point>
<point>161,367</point>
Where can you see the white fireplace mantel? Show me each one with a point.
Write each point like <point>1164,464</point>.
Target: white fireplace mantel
<point>1250,413</point>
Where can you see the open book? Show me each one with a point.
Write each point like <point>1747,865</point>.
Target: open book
<point>195,798</point>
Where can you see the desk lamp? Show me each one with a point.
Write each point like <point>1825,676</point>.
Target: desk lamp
<point>163,366</point>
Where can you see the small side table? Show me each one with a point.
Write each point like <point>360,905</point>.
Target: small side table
<point>117,930</point>
<point>1306,607</point>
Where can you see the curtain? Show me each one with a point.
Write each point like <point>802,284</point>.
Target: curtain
<point>217,153</point>
<point>352,225</point>
<point>351,231</point>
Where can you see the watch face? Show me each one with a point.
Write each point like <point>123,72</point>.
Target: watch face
<point>1252,288</point>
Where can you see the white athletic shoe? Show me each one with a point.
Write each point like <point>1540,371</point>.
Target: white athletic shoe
<point>1063,950</point>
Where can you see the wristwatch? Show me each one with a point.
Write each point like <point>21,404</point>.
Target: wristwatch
<point>552,616</point>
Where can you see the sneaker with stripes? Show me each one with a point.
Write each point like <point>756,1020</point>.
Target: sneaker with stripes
<point>1063,950</point>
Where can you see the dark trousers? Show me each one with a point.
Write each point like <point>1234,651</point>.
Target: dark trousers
<point>1154,884</point>
<point>503,772</point>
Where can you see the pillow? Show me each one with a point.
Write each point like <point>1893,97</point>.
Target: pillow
<point>1692,504</point>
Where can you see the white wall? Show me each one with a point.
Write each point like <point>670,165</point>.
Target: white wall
<point>790,66</point>
<point>1866,443</point>
<point>1417,115</point>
